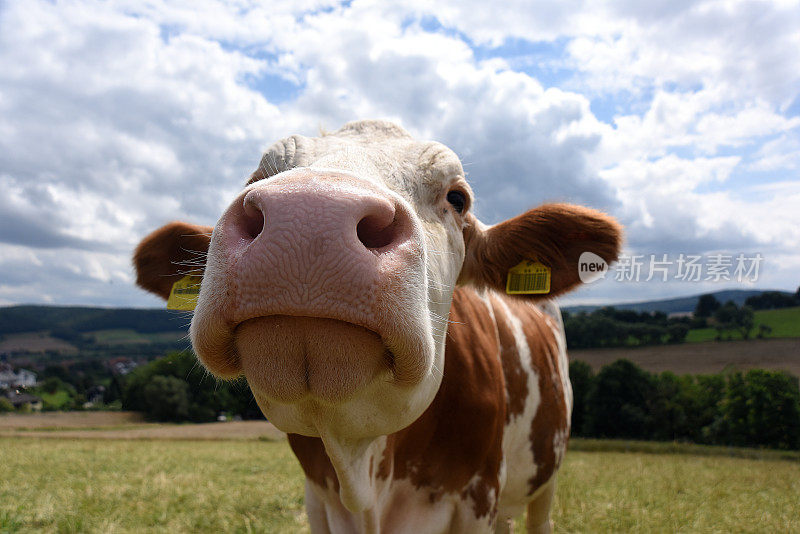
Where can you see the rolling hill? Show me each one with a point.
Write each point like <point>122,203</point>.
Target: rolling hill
<point>676,305</point>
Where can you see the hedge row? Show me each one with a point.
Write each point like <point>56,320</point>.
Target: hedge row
<point>759,408</point>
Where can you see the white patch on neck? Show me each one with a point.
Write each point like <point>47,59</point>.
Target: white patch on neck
<point>516,435</point>
<point>351,459</point>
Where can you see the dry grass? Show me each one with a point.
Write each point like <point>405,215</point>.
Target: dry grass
<point>128,425</point>
<point>256,486</point>
<point>68,420</point>
<point>237,430</point>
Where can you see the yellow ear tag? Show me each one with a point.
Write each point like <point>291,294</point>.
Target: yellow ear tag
<point>184,293</point>
<point>528,277</point>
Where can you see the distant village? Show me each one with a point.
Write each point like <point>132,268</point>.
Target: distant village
<point>16,385</point>
<point>12,387</point>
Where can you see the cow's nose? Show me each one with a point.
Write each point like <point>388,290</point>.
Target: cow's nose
<point>357,214</point>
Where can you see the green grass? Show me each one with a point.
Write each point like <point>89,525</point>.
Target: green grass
<point>635,492</point>
<point>699,335</point>
<point>56,401</point>
<point>784,322</point>
<point>152,486</point>
<point>256,486</point>
<point>674,447</point>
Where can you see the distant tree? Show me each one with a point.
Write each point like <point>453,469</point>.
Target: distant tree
<point>667,408</point>
<point>677,332</point>
<point>774,408</point>
<point>206,396</point>
<point>58,371</point>
<point>617,406</point>
<point>114,391</point>
<point>705,397</point>
<point>745,321</point>
<point>725,318</point>
<point>658,317</point>
<point>5,405</point>
<point>761,408</point>
<point>763,331</point>
<point>731,317</point>
<point>647,334</point>
<point>167,399</point>
<point>770,300</point>
<point>706,306</point>
<point>582,378</point>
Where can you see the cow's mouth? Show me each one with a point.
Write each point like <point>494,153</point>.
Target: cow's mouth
<point>288,358</point>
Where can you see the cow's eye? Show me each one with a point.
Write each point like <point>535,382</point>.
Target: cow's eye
<point>458,200</point>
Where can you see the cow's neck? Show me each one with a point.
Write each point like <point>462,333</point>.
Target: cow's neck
<point>353,460</point>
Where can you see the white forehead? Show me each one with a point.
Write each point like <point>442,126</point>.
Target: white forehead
<point>373,150</point>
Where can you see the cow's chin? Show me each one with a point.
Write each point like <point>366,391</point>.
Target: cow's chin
<point>289,359</point>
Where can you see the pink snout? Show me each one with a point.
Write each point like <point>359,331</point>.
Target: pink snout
<point>321,246</point>
<point>303,215</point>
<point>314,245</point>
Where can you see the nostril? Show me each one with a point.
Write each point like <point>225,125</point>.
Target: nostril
<point>252,223</point>
<point>374,233</point>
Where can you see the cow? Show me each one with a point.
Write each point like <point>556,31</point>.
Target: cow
<point>369,311</point>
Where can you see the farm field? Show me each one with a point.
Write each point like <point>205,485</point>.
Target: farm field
<point>696,358</point>
<point>95,485</point>
<point>784,322</point>
<point>35,342</point>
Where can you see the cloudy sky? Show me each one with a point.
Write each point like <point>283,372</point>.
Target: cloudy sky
<point>680,118</point>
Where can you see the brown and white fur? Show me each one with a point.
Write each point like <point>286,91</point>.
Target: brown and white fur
<point>364,303</point>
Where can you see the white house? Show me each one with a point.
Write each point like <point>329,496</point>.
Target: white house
<point>11,379</point>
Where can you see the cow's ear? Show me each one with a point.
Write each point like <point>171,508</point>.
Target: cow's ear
<point>552,234</point>
<point>168,254</point>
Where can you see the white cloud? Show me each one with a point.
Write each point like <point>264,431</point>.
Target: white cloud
<point>782,153</point>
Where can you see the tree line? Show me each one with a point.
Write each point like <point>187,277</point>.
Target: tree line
<point>770,300</point>
<point>611,327</point>
<point>757,408</point>
<point>178,388</point>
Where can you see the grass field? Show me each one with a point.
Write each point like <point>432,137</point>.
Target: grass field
<point>34,342</point>
<point>128,336</point>
<point>784,322</point>
<point>70,420</point>
<point>57,400</point>
<point>256,486</point>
